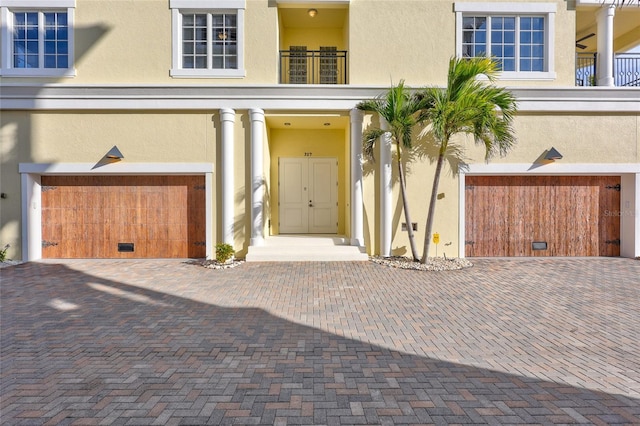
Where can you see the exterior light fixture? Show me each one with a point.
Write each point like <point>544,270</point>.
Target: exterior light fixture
<point>552,155</point>
<point>312,12</point>
<point>114,154</point>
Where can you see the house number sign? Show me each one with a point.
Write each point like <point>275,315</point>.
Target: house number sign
<point>308,154</point>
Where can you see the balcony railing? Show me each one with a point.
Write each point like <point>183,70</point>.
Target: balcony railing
<point>325,66</point>
<point>626,69</point>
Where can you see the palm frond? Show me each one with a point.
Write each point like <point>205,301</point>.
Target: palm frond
<point>472,106</point>
<point>369,139</point>
<point>369,105</point>
<point>399,108</point>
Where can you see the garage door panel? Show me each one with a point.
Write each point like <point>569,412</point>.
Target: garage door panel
<point>566,212</point>
<point>87,216</point>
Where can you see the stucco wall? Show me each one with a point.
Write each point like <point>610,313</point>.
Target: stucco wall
<point>414,40</point>
<point>387,40</point>
<point>580,138</point>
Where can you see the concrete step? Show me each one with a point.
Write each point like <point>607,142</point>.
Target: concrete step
<point>304,248</point>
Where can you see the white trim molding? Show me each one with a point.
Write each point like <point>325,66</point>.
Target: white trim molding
<point>576,169</point>
<point>207,4</point>
<point>32,196</point>
<point>629,196</point>
<point>37,4</point>
<point>23,96</point>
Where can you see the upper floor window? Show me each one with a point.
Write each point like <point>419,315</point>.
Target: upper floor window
<point>207,42</point>
<point>518,35</point>
<point>37,38</point>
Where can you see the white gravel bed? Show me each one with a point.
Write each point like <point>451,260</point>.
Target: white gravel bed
<point>214,264</point>
<point>435,263</point>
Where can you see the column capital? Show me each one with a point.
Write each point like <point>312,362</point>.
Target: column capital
<point>606,10</point>
<point>227,114</point>
<point>356,114</point>
<point>256,114</point>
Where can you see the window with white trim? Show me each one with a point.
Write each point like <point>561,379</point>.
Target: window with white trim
<point>37,38</point>
<point>518,35</point>
<point>207,42</point>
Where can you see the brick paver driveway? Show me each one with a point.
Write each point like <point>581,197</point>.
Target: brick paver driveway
<point>535,341</point>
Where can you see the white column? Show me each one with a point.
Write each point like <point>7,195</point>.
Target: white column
<point>357,230</point>
<point>227,118</point>
<point>630,215</point>
<point>385,191</point>
<point>31,216</point>
<point>257,177</point>
<point>604,69</point>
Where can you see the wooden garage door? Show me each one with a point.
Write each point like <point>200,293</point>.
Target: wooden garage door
<point>102,216</point>
<point>574,215</point>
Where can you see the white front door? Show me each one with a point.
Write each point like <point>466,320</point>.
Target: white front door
<point>308,195</point>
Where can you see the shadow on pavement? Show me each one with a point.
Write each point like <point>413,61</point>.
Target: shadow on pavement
<point>79,349</point>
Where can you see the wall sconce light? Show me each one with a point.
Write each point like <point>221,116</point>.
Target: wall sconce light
<point>312,12</point>
<point>114,154</point>
<point>553,155</point>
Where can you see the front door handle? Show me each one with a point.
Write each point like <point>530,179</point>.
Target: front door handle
<point>310,203</point>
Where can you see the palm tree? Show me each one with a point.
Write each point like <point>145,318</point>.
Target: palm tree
<point>399,108</point>
<point>469,104</point>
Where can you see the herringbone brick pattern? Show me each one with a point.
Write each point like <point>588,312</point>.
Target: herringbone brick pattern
<point>523,341</point>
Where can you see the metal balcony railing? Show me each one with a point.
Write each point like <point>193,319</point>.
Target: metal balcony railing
<point>586,69</point>
<point>626,69</point>
<point>324,66</point>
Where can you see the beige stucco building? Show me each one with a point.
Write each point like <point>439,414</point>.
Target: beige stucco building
<point>159,128</point>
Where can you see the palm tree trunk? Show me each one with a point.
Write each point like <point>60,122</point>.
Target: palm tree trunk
<point>432,209</point>
<point>405,206</point>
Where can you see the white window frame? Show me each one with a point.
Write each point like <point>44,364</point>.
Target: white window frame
<point>546,10</point>
<point>178,7</point>
<point>7,9</point>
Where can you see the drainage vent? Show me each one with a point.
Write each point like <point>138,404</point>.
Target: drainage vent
<point>539,245</point>
<point>125,247</point>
